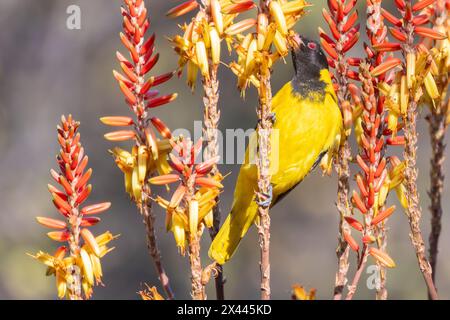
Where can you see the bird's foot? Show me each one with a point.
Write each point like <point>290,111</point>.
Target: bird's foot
<point>272,117</point>
<point>265,198</point>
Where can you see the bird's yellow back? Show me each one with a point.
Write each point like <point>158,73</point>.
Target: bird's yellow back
<point>307,127</point>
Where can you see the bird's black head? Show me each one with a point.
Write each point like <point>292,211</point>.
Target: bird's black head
<point>308,59</point>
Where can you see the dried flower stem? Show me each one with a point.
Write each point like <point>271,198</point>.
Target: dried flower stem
<point>264,128</point>
<point>381,236</point>
<point>344,208</point>
<point>437,127</point>
<point>211,125</point>
<point>198,289</point>
<point>152,245</point>
<point>211,117</point>
<point>74,289</point>
<point>358,273</point>
<point>436,120</point>
<point>412,196</point>
<point>414,211</point>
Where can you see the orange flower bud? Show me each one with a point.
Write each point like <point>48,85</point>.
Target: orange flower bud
<point>117,121</point>
<point>84,179</point>
<point>387,47</point>
<point>328,48</point>
<point>382,257</point>
<point>95,208</point>
<point>89,239</point>
<point>61,203</point>
<point>182,9</point>
<point>131,98</point>
<point>161,100</point>
<point>359,203</point>
<point>83,195</point>
<point>351,241</point>
<point>161,127</point>
<point>238,7</point>
<point>391,18</point>
<point>385,67</point>
<point>59,236</point>
<point>354,223</point>
<point>429,33</point>
<point>120,135</point>
<point>165,179</point>
<point>383,215</point>
<point>51,223</point>
<point>89,221</point>
<point>177,196</point>
<point>368,239</point>
<point>422,5</point>
<point>240,26</point>
<point>208,182</point>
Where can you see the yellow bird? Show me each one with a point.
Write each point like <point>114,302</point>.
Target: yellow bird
<point>309,124</point>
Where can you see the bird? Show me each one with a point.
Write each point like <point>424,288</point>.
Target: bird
<point>308,122</point>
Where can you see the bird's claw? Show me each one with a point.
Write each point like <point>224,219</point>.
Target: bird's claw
<point>267,198</point>
<point>272,117</point>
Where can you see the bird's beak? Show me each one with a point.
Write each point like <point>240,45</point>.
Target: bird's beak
<point>296,42</point>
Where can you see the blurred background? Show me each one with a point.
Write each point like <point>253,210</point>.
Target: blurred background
<point>47,70</point>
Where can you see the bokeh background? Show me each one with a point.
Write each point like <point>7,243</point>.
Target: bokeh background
<point>47,70</point>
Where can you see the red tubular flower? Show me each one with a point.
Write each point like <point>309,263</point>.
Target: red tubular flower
<point>196,185</point>
<point>372,180</point>
<point>415,76</point>
<point>148,155</point>
<point>77,272</point>
<point>342,19</point>
<point>133,82</point>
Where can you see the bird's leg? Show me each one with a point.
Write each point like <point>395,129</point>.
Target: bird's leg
<point>268,197</point>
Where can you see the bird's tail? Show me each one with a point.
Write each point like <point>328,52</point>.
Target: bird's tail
<point>232,231</point>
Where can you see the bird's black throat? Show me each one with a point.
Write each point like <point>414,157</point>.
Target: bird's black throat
<point>307,80</point>
<point>308,61</point>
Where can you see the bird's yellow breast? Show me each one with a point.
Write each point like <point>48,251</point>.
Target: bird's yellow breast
<point>305,127</point>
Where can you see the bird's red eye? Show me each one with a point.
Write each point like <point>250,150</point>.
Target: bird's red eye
<point>312,45</point>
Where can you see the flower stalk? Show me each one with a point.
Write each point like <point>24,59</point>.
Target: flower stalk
<point>200,49</point>
<point>377,33</point>
<point>257,52</point>
<point>373,180</point>
<point>149,153</point>
<point>211,117</point>
<point>263,162</point>
<point>190,208</point>
<point>437,128</point>
<point>78,272</point>
<point>341,19</point>
<point>415,76</point>
<point>437,121</point>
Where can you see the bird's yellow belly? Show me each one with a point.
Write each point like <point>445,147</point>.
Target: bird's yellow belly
<point>304,132</point>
